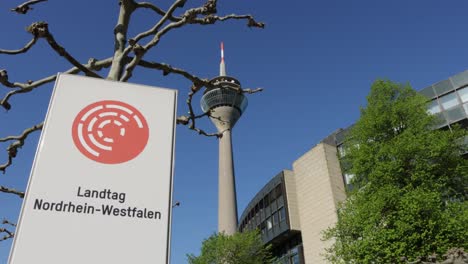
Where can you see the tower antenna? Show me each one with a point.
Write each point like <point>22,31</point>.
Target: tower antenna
<point>222,65</point>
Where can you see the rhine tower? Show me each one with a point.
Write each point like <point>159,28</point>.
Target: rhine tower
<point>225,102</point>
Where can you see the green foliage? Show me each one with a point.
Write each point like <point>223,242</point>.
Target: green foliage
<point>240,248</point>
<point>410,184</point>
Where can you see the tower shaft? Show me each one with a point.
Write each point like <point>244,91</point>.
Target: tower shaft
<point>227,202</point>
<point>224,118</point>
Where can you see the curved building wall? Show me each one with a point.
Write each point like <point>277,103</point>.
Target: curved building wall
<point>274,211</point>
<point>294,207</point>
<point>267,211</point>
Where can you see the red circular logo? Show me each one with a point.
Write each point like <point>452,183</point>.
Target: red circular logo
<point>110,132</point>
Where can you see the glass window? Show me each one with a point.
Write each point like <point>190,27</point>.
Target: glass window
<point>428,92</point>
<point>448,101</point>
<point>294,250</point>
<point>466,108</point>
<point>280,201</point>
<point>443,87</point>
<point>440,120</point>
<point>348,177</point>
<point>455,114</point>
<point>279,194</point>
<point>275,218</point>
<point>295,259</point>
<point>279,190</point>
<point>267,200</point>
<point>460,79</point>
<point>272,195</point>
<point>268,223</point>
<point>341,150</point>
<point>282,214</point>
<point>267,211</point>
<point>463,94</point>
<point>273,205</point>
<point>434,107</point>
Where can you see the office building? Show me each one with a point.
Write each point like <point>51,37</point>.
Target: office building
<point>296,205</point>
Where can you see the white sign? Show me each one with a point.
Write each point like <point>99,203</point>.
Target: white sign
<point>100,189</point>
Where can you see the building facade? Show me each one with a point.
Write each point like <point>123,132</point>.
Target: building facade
<point>293,208</point>
<point>296,205</point>
<point>449,100</point>
<point>274,211</point>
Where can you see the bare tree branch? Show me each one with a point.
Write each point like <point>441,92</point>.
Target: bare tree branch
<point>4,79</point>
<point>19,142</point>
<point>120,38</point>
<point>22,50</point>
<point>211,19</point>
<point>198,83</point>
<point>189,17</point>
<point>24,134</point>
<point>139,50</point>
<point>12,191</point>
<point>8,235</point>
<point>27,87</point>
<point>25,7</point>
<point>250,91</point>
<point>167,69</point>
<point>192,116</point>
<point>208,8</point>
<point>41,30</point>
<point>166,16</point>
<point>191,119</point>
<point>156,9</point>
<point>6,222</point>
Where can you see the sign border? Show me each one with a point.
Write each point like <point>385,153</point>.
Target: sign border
<point>39,145</point>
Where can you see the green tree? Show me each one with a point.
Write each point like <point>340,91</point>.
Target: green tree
<point>410,184</point>
<point>240,248</point>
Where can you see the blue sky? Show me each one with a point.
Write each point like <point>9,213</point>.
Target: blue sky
<point>315,59</point>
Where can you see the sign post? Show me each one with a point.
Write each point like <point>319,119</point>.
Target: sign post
<point>100,189</point>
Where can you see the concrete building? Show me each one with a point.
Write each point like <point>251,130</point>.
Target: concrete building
<point>296,205</point>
